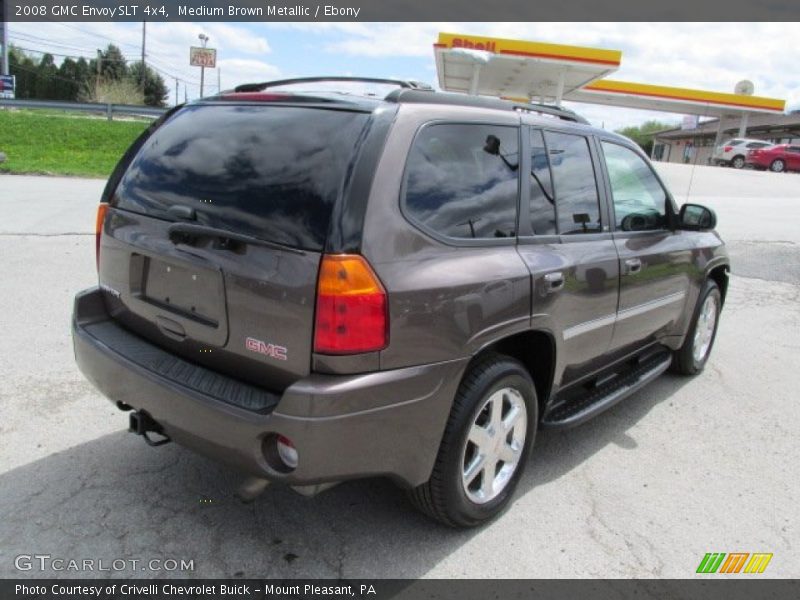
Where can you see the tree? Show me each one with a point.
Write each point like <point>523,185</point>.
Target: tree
<point>24,69</point>
<point>643,134</point>
<point>113,65</point>
<point>155,90</point>
<point>46,87</point>
<point>68,83</point>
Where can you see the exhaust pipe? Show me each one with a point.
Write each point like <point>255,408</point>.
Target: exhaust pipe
<point>142,423</point>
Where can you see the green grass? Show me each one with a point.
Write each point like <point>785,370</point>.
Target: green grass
<point>63,144</point>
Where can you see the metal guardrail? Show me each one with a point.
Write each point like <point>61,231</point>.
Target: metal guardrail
<point>108,109</point>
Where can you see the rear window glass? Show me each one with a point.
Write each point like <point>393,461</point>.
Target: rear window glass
<point>268,172</point>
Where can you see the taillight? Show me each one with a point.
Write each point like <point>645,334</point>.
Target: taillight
<point>351,307</point>
<point>727,148</point>
<point>98,230</point>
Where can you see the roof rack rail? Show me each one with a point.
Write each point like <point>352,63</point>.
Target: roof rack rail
<point>413,95</point>
<point>258,87</point>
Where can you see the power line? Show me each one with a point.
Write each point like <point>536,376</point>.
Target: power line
<point>99,35</point>
<point>87,58</point>
<point>26,37</point>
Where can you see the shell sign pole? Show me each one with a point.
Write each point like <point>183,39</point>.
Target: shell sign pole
<point>203,57</point>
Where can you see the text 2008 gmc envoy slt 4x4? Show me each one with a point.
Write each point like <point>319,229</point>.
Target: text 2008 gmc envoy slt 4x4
<point>316,286</point>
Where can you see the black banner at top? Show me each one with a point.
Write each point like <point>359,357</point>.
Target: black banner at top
<point>402,10</point>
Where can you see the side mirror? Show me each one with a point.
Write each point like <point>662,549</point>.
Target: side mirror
<point>695,217</point>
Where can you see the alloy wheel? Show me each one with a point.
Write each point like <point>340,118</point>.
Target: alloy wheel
<point>494,445</point>
<point>704,331</point>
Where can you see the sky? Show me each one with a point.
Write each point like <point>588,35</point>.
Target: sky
<point>710,56</point>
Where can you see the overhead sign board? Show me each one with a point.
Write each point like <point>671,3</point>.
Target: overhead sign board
<point>7,85</point>
<point>203,57</point>
<point>690,122</point>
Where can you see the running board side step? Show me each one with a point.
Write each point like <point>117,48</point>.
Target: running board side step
<point>579,410</point>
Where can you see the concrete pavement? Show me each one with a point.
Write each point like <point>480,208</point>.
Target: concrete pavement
<point>685,467</point>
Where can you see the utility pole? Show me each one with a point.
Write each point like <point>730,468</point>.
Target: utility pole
<point>144,67</point>
<point>203,40</point>
<point>97,80</point>
<point>219,80</point>
<point>3,39</point>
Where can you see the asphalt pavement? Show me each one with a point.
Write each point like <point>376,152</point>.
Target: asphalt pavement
<point>682,468</point>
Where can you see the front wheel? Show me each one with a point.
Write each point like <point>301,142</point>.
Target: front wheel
<point>777,166</point>
<point>485,445</point>
<point>692,356</point>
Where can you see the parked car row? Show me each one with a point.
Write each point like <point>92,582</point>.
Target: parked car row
<point>757,154</point>
<point>778,158</point>
<point>733,153</point>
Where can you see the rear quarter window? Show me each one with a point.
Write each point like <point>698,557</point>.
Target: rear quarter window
<point>266,171</point>
<point>462,180</point>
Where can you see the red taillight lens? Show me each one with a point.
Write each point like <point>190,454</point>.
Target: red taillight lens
<point>98,230</point>
<point>351,307</point>
<point>727,148</point>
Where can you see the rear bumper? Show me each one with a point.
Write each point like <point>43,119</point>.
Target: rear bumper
<point>344,427</point>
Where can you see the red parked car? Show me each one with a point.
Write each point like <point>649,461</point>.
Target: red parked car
<point>780,158</point>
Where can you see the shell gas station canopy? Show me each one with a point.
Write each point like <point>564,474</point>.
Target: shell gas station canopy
<point>527,71</point>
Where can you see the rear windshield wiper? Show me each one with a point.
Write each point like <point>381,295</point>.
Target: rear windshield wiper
<point>184,232</point>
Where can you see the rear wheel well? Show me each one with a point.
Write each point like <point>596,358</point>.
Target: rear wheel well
<point>720,277</point>
<point>536,351</point>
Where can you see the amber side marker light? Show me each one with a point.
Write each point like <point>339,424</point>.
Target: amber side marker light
<point>102,209</point>
<point>351,312</point>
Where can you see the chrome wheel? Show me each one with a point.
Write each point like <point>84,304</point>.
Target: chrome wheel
<point>777,166</point>
<point>704,330</point>
<point>494,445</point>
<point>738,162</point>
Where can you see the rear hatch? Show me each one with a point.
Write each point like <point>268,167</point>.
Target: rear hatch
<point>212,242</point>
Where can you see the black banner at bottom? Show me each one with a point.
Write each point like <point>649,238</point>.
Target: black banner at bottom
<point>383,589</point>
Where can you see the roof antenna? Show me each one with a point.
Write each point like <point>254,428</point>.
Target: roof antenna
<point>696,155</point>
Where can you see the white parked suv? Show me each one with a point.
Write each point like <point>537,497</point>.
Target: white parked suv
<point>734,152</point>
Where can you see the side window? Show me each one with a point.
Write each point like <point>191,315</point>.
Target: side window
<point>577,201</point>
<point>639,199</point>
<point>543,205</point>
<point>462,180</point>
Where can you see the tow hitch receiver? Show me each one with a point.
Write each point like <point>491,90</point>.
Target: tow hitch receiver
<point>141,424</point>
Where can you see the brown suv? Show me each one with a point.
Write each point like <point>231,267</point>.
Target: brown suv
<point>316,286</point>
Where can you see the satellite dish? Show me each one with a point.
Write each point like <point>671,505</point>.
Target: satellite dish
<point>744,88</point>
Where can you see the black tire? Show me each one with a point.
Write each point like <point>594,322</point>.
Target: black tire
<point>778,165</point>
<point>443,496</point>
<point>737,162</point>
<point>684,361</point>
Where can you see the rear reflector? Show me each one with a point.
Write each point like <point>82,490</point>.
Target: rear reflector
<point>287,452</point>
<point>351,307</point>
<point>98,230</point>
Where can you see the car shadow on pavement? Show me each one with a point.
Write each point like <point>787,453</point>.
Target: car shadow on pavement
<point>116,498</point>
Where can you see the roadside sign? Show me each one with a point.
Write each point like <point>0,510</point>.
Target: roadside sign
<point>7,85</point>
<point>690,122</point>
<point>203,57</point>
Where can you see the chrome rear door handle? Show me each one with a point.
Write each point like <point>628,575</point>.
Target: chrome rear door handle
<point>555,281</point>
<point>634,265</point>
